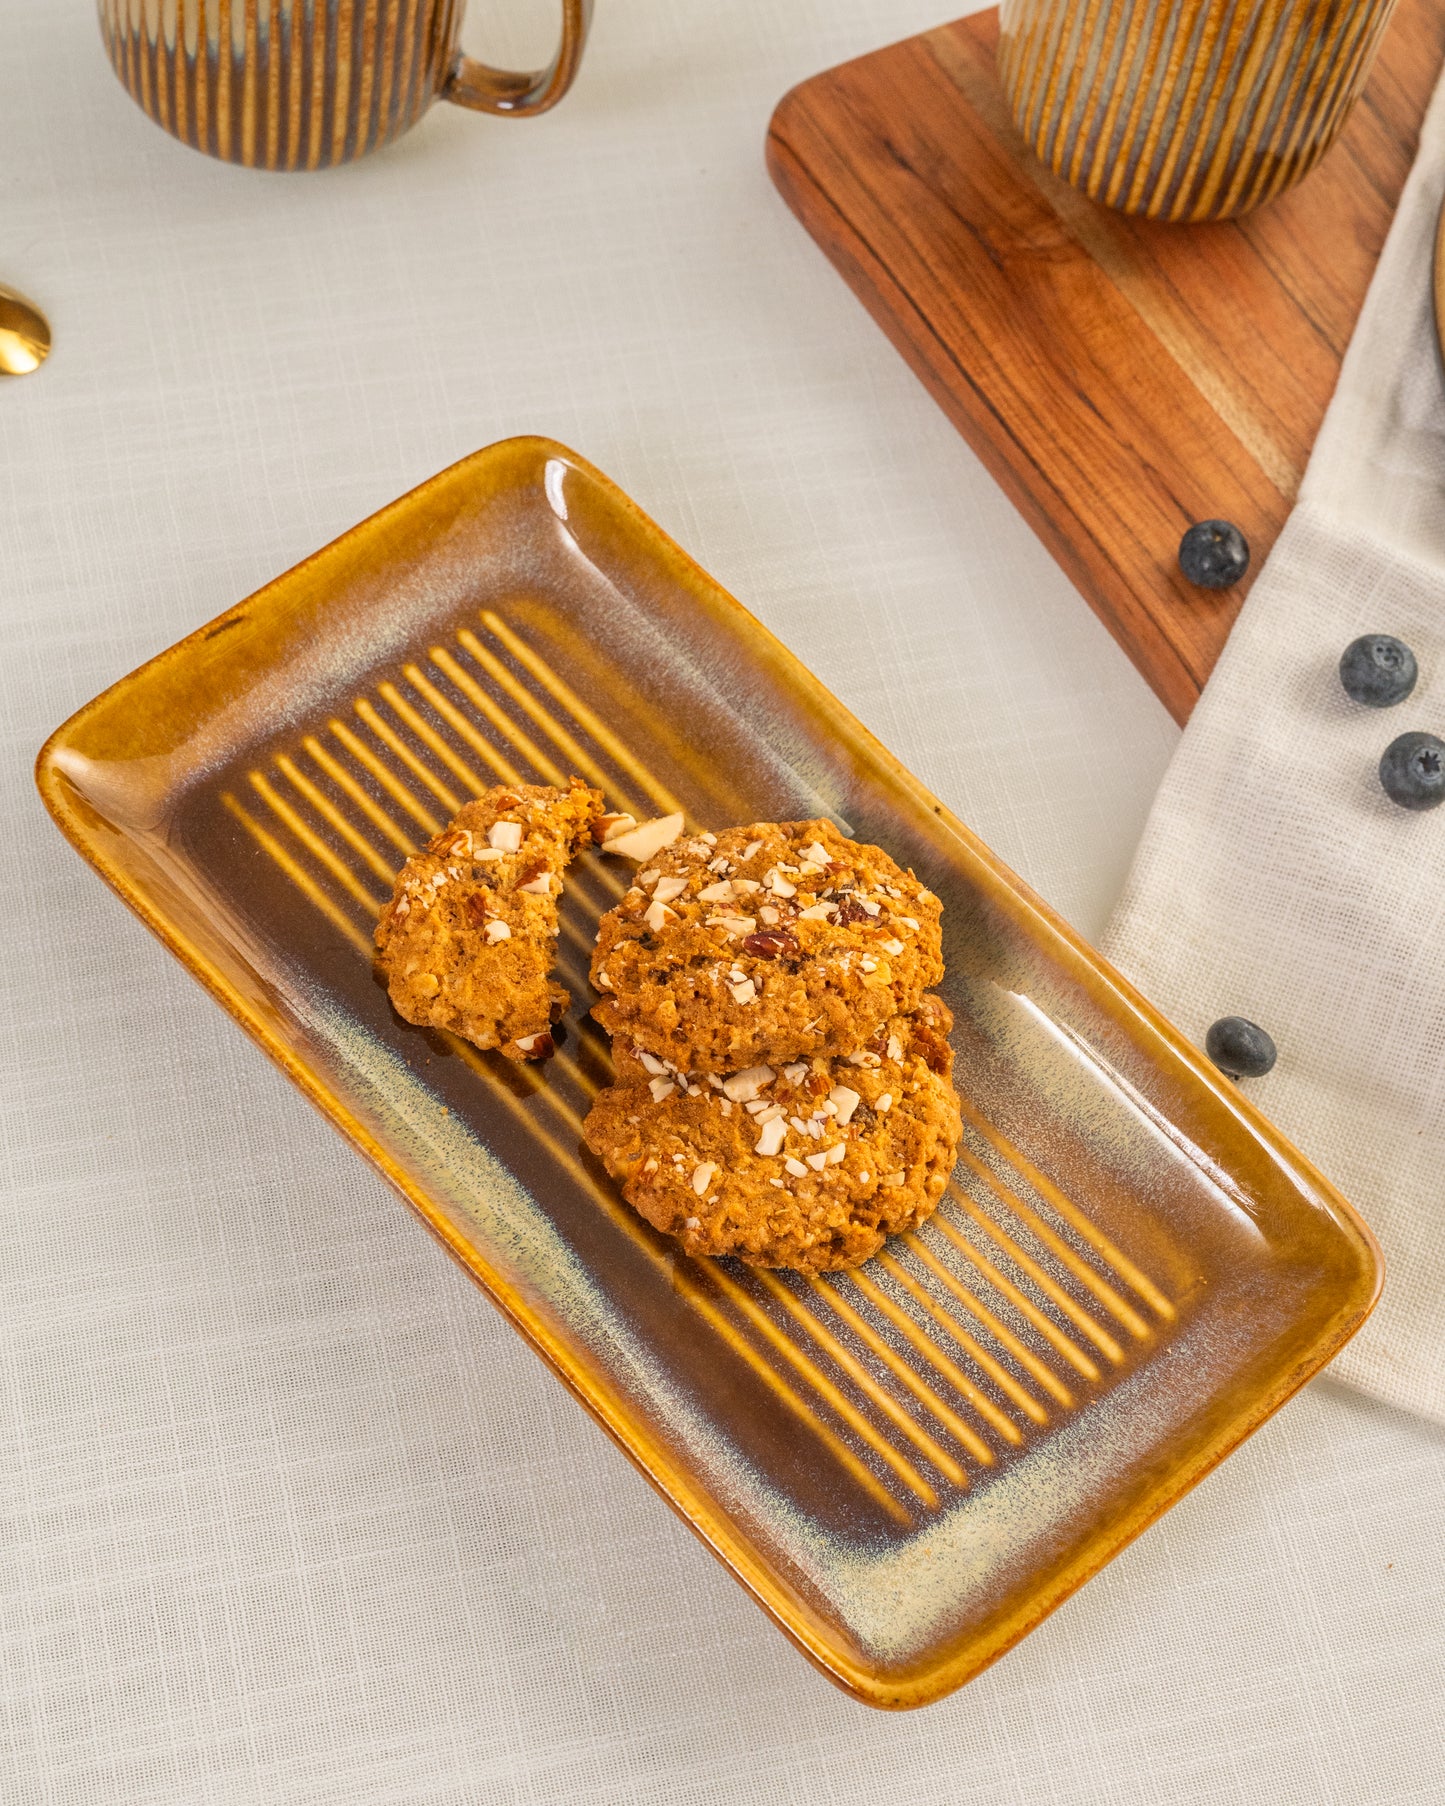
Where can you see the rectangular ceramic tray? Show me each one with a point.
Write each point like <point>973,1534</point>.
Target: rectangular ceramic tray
<point>909,1465</point>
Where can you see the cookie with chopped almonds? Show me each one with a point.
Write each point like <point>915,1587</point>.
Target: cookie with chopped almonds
<point>810,1164</point>
<point>771,942</point>
<point>469,937</point>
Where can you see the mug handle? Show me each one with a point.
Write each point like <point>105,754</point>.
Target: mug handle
<point>472,84</point>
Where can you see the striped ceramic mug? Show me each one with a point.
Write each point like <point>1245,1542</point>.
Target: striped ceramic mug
<point>1185,109</point>
<point>299,84</point>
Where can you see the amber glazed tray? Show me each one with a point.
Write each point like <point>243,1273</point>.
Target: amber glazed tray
<point>909,1465</point>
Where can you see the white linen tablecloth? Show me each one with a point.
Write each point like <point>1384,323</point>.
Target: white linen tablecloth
<point>1275,879</point>
<point>287,1514</point>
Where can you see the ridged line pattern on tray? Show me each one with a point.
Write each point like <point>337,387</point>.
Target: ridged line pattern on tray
<point>281,84</point>
<point>917,1372</point>
<point>1185,109</point>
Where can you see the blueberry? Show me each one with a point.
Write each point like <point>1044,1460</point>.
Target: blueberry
<point>1413,771</point>
<point>1240,1048</point>
<point>1214,554</point>
<point>1378,670</point>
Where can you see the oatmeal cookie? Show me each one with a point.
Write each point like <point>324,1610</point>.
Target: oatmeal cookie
<point>811,1165</point>
<point>770,942</point>
<point>470,934</point>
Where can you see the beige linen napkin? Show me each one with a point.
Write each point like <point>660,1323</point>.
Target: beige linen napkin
<point>1275,880</point>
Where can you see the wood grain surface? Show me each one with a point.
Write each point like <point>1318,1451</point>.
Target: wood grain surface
<point>1120,377</point>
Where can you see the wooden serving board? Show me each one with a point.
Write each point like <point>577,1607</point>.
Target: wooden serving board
<point>1119,377</point>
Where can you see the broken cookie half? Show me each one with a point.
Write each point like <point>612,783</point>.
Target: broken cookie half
<point>469,938</point>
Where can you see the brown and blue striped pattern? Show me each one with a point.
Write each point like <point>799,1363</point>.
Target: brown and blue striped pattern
<point>282,84</point>
<point>1185,109</point>
<point>954,1353</point>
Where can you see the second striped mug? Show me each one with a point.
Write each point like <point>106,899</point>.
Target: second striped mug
<point>1185,109</point>
<point>299,84</point>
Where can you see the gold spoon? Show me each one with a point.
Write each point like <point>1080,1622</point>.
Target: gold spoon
<point>24,334</point>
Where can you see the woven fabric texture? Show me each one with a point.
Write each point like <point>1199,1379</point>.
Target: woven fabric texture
<point>288,1515</point>
<point>1275,879</point>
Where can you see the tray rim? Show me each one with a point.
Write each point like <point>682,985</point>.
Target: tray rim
<point>923,1682</point>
